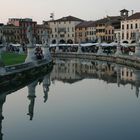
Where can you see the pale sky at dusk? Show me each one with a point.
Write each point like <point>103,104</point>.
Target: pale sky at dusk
<point>40,10</point>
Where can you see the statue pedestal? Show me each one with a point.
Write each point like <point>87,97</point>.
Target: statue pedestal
<point>79,51</point>
<point>57,49</point>
<point>100,51</point>
<point>137,50</point>
<point>118,52</point>
<point>46,53</point>
<point>2,70</point>
<point>30,54</point>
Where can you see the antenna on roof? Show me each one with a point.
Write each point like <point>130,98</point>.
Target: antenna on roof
<point>132,12</point>
<point>52,16</point>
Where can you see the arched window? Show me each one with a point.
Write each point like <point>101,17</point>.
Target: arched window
<point>54,41</point>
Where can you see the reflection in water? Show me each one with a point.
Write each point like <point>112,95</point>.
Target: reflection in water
<point>73,70</point>
<point>2,101</point>
<point>31,96</point>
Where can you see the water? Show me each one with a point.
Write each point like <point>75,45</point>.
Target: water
<point>79,100</point>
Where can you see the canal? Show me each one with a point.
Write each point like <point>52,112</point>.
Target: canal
<point>77,100</point>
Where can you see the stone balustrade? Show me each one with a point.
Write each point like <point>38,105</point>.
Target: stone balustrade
<point>131,61</point>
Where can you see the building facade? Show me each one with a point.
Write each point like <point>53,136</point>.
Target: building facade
<point>23,24</point>
<point>63,30</point>
<point>12,33</point>
<point>129,27</point>
<point>85,32</point>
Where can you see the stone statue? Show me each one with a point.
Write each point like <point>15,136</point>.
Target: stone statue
<point>137,37</point>
<point>45,38</point>
<point>119,39</point>
<point>99,40</point>
<point>30,35</point>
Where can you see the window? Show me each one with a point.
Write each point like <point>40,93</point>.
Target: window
<point>127,73</point>
<point>72,29</point>
<point>136,25</point>
<point>127,35</point>
<point>123,27</point>
<point>127,26</point>
<point>122,35</point>
<point>55,30</point>
<point>131,26</point>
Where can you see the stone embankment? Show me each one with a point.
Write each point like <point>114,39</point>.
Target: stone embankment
<point>131,61</point>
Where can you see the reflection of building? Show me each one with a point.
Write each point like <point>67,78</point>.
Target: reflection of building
<point>73,70</point>
<point>131,76</point>
<point>65,71</point>
<point>127,74</point>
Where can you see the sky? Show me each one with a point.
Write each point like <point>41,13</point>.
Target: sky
<point>40,10</point>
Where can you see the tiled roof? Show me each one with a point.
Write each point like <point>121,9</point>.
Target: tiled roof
<point>86,24</point>
<point>109,19</point>
<point>134,16</point>
<point>69,18</point>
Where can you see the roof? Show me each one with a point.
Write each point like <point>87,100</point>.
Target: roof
<point>69,18</point>
<point>134,16</point>
<point>86,24</point>
<point>124,10</point>
<point>111,19</point>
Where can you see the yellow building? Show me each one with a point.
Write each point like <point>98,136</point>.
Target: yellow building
<point>85,32</point>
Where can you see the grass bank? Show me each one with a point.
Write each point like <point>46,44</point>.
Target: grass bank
<point>12,58</point>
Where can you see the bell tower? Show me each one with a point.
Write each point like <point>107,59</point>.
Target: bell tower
<point>124,13</point>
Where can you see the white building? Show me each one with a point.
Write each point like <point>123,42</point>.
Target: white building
<point>129,28</point>
<point>63,30</point>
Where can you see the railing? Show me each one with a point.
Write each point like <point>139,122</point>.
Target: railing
<point>18,67</point>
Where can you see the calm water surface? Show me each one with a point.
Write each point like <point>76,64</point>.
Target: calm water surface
<point>79,100</point>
